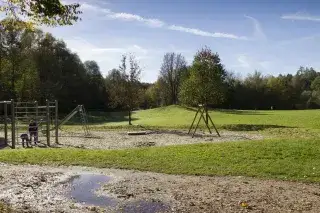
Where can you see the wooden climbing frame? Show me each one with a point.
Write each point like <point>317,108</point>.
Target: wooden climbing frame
<point>203,111</point>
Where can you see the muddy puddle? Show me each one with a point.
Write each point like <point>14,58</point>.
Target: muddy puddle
<point>83,189</point>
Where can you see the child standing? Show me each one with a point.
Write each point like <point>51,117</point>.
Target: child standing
<point>33,131</point>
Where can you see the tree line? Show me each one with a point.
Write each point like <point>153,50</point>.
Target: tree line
<point>34,65</point>
<point>207,81</point>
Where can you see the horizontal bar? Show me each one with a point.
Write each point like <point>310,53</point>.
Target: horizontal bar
<point>39,107</point>
<point>5,102</point>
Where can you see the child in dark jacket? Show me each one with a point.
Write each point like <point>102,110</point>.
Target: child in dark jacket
<point>33,131</point>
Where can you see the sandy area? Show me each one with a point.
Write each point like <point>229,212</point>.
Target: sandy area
<point>121,140</point>
<point>42,189</point>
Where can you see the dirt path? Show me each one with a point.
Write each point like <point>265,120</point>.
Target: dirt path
<point>121,140</point>
<point>43,189</point>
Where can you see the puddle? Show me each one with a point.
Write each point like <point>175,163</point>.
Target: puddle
<point>83,189</point>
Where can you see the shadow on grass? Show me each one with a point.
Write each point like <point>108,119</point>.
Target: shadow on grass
<point>250,127</point>
<point>241,112</point>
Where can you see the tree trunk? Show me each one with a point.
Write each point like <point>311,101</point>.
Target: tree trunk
<point>130,117</point>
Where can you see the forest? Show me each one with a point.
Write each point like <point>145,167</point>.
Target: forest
<point>34,65</point>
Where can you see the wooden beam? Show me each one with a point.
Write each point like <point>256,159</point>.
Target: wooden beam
<point>137,133</point>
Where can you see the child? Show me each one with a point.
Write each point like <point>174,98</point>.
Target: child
<point>25,138</point>
<point>33,131</point>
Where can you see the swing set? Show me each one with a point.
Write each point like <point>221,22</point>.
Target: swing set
<point>204,115</point>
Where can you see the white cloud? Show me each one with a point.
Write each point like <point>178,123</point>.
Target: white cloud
<point>132,17</point>
<point>301,17</point>
<point>203,33</point>
<point>157,23</point>
<point>109,57</point>
<point>258,31</point>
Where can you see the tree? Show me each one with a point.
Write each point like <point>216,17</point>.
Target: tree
<point>256,84</point>
<point>315,85</point>
<point>171,71</point>
<point>205,84</point>
<point>48,12</point>
<point>124,85</point>
<point>96,85</point>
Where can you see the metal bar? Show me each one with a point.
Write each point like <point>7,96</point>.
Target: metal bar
<point>37,113</point>
<point>24,103</point>
<point>195,117</point>
<point>5,102</point>
<point>56,122</point>
<point>13,129</point>
<point>48,123</point>
<point>30,112</point>
<point>39,107</point>
<point>6,123</point>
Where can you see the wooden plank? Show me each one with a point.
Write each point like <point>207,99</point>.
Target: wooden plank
<point>137,133</point>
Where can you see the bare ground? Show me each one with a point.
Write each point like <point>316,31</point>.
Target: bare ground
<point>121,140</point>
<point>42,189</point>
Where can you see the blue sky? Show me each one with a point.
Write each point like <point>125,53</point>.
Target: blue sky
<point>270,36</point>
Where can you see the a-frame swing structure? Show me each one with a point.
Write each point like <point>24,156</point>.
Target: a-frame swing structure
<point>203,111</point>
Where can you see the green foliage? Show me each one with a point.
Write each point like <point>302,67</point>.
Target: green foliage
<point>36,66</point>
<point>123,85</point>
<point>315,85</point>
<point>205,84</point>
<point>48,12</point>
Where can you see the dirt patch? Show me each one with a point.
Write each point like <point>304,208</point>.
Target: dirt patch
<point>42,189</point>
<point>121,140</point>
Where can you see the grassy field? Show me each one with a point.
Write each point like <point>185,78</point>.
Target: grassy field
<point>292,152</point>
<point>282,159</point>
<point>179,117</point>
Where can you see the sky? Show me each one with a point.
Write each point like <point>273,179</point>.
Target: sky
<point>271,36</point>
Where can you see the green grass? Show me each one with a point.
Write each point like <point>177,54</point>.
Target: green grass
<point>292,152</point>
<point>282,159</point>
<point>180,117</point>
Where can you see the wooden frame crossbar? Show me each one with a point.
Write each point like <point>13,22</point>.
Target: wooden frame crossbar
<point>203,111</point>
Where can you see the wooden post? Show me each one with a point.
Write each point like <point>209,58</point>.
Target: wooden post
<point>214,126</point>
<point>201,112</point>
<point>37,112</point>
<point>195,117</point>
<point>56,121</point>
<point>13,125</point>
<point>6,123</point>
<point>48,123</point>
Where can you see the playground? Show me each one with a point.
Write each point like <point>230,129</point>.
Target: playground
<point>162,164</point>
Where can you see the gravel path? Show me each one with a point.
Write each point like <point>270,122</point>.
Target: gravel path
<point>121,140</point>
<point>42,189</point>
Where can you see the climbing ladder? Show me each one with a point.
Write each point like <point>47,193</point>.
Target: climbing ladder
<point>84,120</point>
<point>83,117</point>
